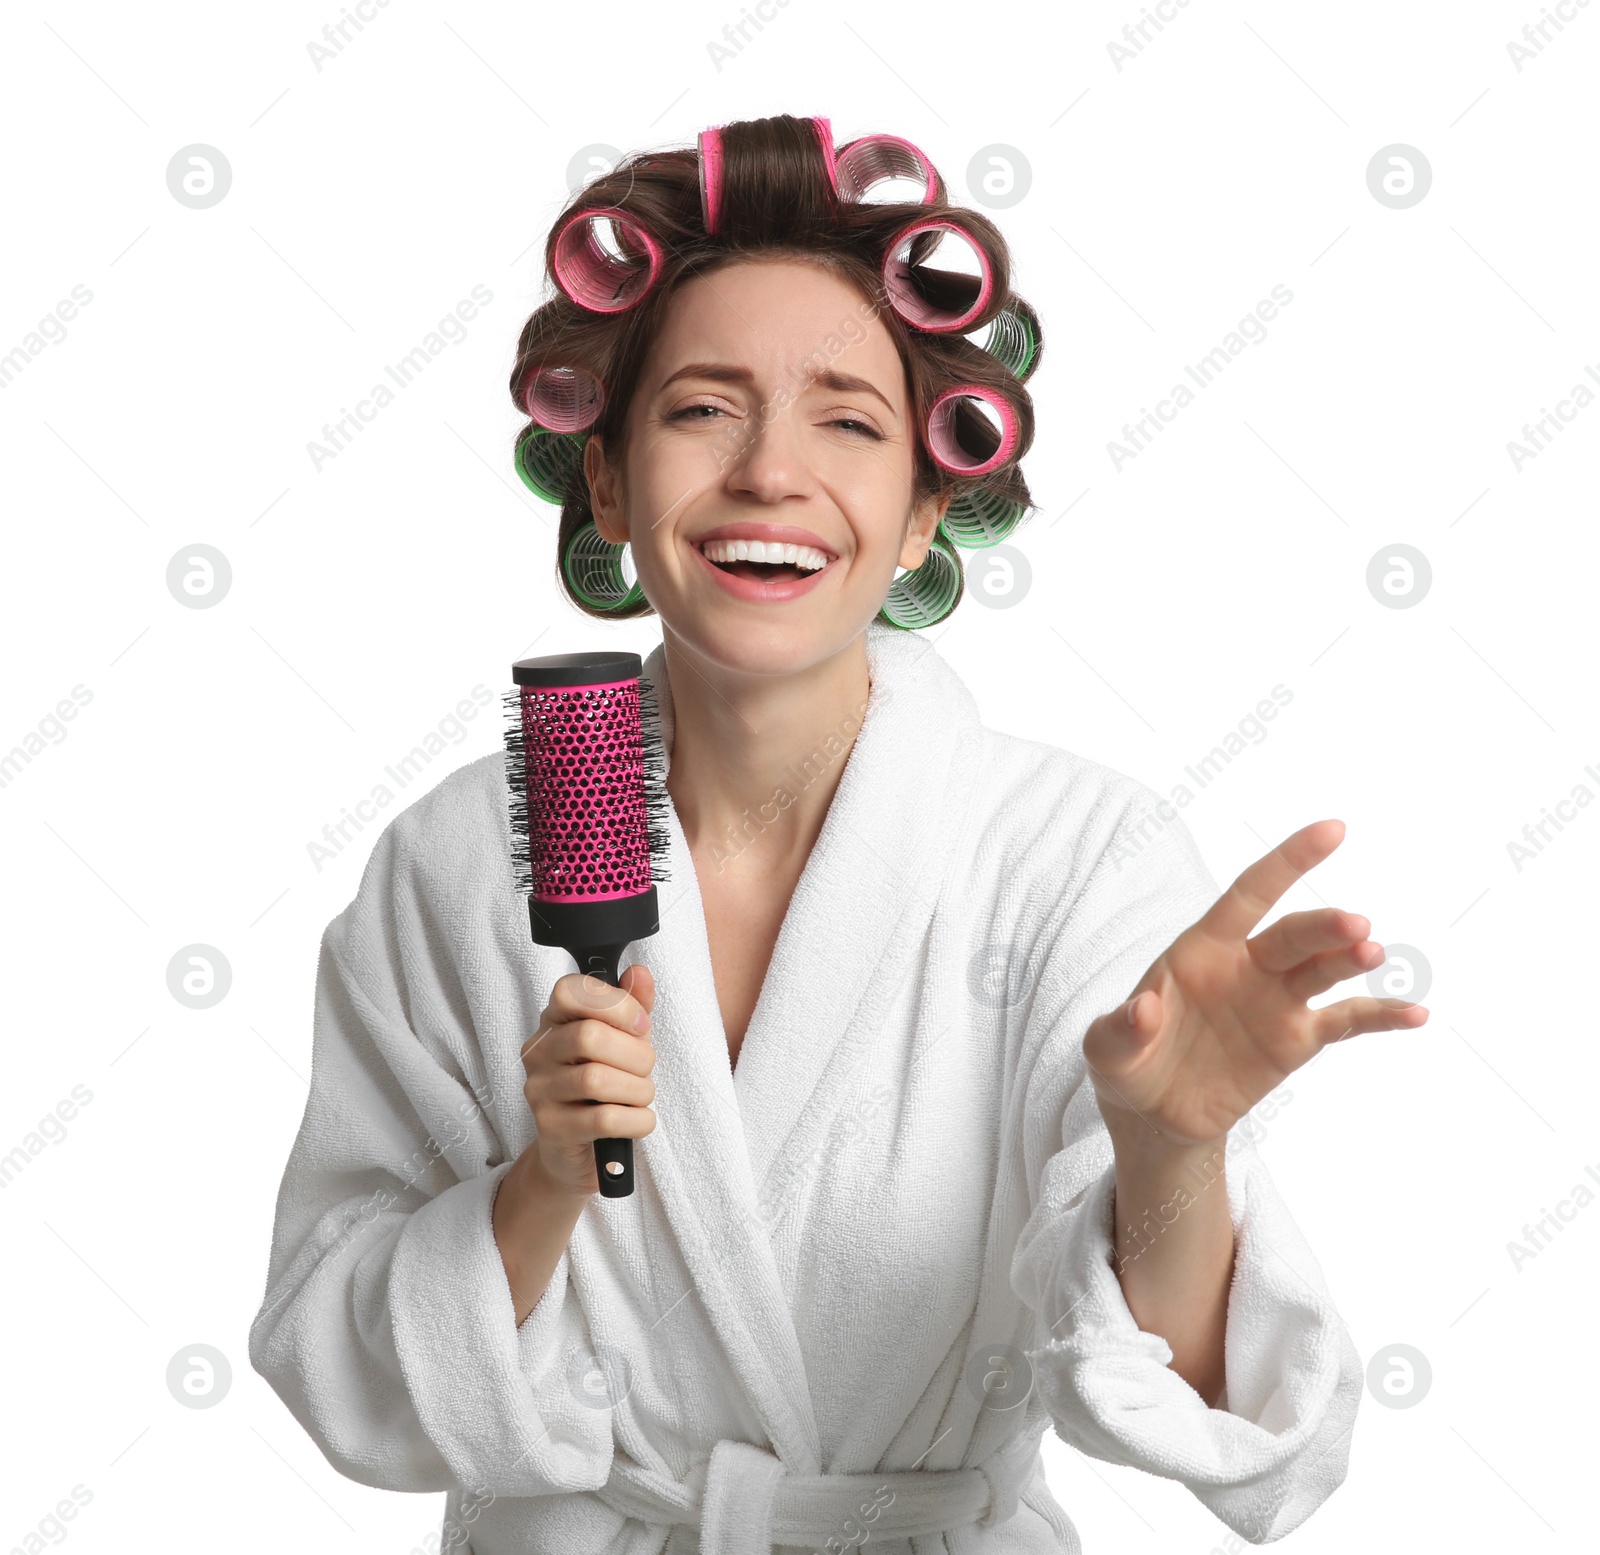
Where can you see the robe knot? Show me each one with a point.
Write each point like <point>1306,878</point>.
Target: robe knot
<point>750,1502</point>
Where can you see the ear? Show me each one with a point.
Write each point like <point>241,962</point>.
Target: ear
<point>921,527</point>
<point>605,493</point>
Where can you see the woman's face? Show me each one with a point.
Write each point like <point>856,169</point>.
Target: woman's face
<point>773,408</point>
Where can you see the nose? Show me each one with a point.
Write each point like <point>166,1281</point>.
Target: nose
<point>765,460</point>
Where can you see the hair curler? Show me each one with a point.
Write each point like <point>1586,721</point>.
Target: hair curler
<point>945,417</point>
<point>1011,337</point>
<point>824,129</point>
<point>978,518</point>
<point>548,462</point>
<point>592,566</point>
<point>877,159</point>
<point>938,301</point>
<point>604,260</point>
<point>586,773</point>
<point>709,147</point>
<point>925,595</point>
<point>564,399</point>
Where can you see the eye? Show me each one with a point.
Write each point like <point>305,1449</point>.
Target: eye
<point>687,413</point>
<point>857,428</point>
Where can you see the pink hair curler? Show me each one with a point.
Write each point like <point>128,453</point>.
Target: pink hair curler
<point>943,446</point>
<point>564,399</point>
<point>710,147</point>
<point>605,276</point>
<point>911,302</point>
<point>711,176</point>
<point>824,129</point>
<point>875,159</point>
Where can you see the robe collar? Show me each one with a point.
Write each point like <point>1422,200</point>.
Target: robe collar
<point>724,1152</point>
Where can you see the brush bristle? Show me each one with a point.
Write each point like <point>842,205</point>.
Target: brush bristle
<point>542,841</point>
<point>654,761</point>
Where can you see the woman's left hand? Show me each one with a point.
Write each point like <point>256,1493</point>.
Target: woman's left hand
<point>1219,1019</point>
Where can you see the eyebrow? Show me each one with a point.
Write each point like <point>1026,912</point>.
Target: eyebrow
<point>829,378</point>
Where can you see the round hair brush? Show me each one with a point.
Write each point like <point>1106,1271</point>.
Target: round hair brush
<point>587,777</point>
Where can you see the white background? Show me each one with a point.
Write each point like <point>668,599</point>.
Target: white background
<point>1169,597</point>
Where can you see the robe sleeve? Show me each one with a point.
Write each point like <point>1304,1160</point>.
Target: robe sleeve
<point>387,1326</point>
<point>1278,1443</point>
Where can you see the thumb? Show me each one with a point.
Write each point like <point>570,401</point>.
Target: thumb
<point>1123,1034</point>
<point>639,981</point>
<point>1142,1017</point>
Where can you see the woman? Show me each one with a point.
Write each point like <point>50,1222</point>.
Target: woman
<point>942,1064</point>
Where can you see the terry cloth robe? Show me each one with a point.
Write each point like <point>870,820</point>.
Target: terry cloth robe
<point>862,1272</point>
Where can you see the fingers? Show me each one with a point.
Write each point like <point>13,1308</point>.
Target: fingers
<point>1354,1017</point>
<point>1318,974</point>
<point>1299,935</point>
<point>590,1041</point>
<point>579,996</point>
<point>1248,900</point>
<point>566,1125</point>
<point>599,1082</point>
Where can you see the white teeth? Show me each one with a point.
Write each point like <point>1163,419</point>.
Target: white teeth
<point>807,557</point>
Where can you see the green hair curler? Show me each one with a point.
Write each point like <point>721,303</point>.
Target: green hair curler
<point>593,567</point>
<point>928,594</point>
<point>979,518</point>
<point>547,461</point>
<point>1011,337</point>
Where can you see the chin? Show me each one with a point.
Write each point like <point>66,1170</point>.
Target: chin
<point>770,647</point>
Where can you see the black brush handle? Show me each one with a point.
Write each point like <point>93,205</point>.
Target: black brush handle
<point>613,1158</point>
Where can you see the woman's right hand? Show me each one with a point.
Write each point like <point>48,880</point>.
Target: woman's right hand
<point>588,1069</point>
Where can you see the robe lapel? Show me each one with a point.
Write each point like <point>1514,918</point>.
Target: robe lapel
<point>856,919</point>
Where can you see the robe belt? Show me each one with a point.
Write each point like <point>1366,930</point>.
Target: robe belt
<point>748,1501</point>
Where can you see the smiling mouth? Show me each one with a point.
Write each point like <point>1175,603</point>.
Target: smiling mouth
<point>764,562</point>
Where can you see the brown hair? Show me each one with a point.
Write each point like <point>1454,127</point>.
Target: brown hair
<point>777,197</point>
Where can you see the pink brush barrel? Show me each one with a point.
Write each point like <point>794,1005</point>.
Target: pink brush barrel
<point>587,826</point>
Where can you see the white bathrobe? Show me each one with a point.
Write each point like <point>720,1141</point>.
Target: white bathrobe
<point>861,1274</point>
